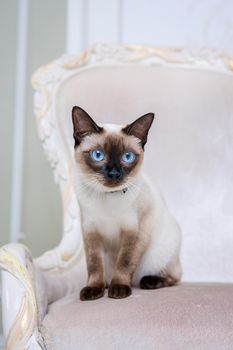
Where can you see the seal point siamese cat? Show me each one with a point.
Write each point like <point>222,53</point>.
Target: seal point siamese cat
<point>130,238</point>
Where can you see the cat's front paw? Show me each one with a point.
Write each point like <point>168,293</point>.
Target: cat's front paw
<point>119,291</point>
<point>91,293</point>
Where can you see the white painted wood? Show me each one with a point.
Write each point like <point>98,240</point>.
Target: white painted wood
<point>103,21</point>
<point>18,123</point>
<point>76,23</point>
<point>179,23</point>
<point>19,279</point>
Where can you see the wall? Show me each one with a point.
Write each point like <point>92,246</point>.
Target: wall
<point>7,74</point>
<point>56,26</point>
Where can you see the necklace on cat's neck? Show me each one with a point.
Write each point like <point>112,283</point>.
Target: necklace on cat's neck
<point>124,190</point>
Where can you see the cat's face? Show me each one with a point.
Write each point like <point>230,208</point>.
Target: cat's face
<point>110,156</point>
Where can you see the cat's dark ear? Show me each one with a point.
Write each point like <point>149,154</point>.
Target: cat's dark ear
<point>140,127</point>
<point>83,125</point>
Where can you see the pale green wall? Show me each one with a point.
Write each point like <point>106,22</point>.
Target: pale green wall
<point>42,216</point>
<point>8,15</point>
<point>7,82</point>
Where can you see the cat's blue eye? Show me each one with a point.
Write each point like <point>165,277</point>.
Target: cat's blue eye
<point>128,157</point>
<point>97,155</point>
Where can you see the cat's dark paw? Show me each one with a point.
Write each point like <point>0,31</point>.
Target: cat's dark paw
<point>155,282</point>
<point>91,293</point>
<point>119,291</point>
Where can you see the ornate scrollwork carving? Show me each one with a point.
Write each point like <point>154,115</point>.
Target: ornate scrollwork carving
<point>24,331</point>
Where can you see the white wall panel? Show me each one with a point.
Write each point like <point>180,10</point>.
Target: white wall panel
<point>102,21</point>
<point>194,23</point>
<point>76,26</point>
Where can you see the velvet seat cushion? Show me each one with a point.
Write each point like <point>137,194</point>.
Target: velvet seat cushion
<point>188,316</point>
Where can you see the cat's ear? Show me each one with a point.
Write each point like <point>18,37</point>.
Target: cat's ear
<point>83,125</point>
<point>140,127</point>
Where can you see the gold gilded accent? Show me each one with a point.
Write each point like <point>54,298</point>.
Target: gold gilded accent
<point>26,320</point>
<point>18,332</point>
<point>67,256</point>
<point>78,61</point>
<point>228,61</point>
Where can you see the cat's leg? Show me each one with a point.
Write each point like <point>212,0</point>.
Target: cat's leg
<point>131,249</point>
<point>167,278</point>
<point>95,267</point>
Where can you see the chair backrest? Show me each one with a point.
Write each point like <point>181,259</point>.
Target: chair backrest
<point>190,148</point>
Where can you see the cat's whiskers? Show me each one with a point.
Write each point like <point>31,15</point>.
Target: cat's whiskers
<point>133,189</point>
<point>88,186</point>
<point>136,186</point>
<point>92,185</point>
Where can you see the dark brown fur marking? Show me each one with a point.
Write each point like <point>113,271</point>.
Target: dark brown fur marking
<point>129,255</point>
<point>83,125</point>
<point>125,258</point>
<point>119,291</point>
<point>93,248</point>
<point>91,293</point>
<point>114,147</point>
<point>155,282</point>
<point>140,128</point>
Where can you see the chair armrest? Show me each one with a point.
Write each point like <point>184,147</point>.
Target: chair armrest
<point>24,301</point>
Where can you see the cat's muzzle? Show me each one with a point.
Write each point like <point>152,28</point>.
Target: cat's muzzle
<point>113,175</point>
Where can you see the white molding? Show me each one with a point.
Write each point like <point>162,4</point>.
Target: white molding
<point>84,23</point>
<point>76,33</point>
<point>120,24</point>
<point>102,22</point>
<point>18,123</point>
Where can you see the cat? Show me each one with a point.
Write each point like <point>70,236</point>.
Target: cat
<point>129,236</point>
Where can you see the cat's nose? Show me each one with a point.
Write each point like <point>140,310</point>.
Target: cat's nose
<point>114,174</point>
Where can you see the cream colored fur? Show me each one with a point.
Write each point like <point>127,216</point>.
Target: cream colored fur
<point>142,209</point>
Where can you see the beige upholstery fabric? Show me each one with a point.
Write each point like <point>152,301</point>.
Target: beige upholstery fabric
<point>185,317</point>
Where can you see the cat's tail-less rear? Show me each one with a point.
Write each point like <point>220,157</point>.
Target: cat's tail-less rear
<point>160,265</point>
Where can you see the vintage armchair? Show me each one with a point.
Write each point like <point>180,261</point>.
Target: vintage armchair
<point>189,155</point>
